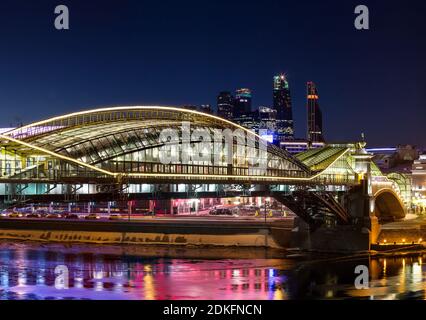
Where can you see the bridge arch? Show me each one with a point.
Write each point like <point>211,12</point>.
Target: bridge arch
<point>124,141</point>
<point>388,205</point>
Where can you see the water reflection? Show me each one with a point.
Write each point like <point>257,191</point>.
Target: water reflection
<point>389,278</point>
<point>27,271</point>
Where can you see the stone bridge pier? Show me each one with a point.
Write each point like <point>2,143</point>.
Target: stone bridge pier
<point>367,204</point>
<point>358,235</point>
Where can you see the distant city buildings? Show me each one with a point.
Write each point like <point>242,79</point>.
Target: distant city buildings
<point>395,159</point>
<point>419,183</point>
<point>206,108</point>
<point>243,114</point>
<point>267,121</point>
<point>299,145</point>
<point>274,122</point>
<point>242,102</point>
<point>282,103</point>
<point>314,124</point>
<point>225,105</point>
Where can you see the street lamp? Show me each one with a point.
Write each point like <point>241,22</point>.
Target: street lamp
<point>265,209</point>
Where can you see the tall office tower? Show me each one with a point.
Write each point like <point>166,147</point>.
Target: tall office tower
<point>242,110</point>
<point>282,103</point>
<point>242,103</point>
<point>314,124</point>
<point>225,105</point>
<point>206,108</point>
<point>268,122</point>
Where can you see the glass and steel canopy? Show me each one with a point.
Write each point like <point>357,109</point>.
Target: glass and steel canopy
<point>126,141</point>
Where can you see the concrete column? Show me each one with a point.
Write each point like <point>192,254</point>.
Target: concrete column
<point>370,222</point>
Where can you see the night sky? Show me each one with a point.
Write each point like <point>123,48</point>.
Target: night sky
<point>185,52</point>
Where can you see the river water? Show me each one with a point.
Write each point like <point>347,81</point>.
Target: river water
<point>27,271</point>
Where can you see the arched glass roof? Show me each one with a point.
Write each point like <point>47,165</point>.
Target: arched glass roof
<point>108,139</point>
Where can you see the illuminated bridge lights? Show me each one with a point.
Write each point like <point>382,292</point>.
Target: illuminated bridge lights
<point>113,145</point>
<point>121,145</point>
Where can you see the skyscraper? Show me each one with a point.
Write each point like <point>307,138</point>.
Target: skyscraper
<point>314,124</point>
<point>267,121</point>
<point>282,103</point>
<point>225,105</point>
<point>242,109</point>
<point>242,103</point>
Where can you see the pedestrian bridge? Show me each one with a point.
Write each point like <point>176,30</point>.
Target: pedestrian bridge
<point>127,145</point>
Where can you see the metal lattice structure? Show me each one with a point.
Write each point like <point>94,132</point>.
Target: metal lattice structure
<point>123,143</point>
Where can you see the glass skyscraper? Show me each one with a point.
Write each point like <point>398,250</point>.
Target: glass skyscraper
<point>268,122</point>
<point>225,105</point>
<point>282,103</point>
<point>242,102</point>
<point>314,124</point>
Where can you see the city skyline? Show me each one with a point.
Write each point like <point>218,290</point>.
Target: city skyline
<point>194,151</point>
<point>122,55</point>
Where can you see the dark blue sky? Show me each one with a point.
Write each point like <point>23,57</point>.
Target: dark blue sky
<point>185,52</point>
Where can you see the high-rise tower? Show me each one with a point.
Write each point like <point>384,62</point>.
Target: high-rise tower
<point>314,124</point>
<point>242,109</point>
<point>242,103</point>
<point>225,105</point>
<point>282,103</point>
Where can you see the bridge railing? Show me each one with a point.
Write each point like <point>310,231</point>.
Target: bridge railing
<point>177,172</point>
<point>335,179</point>
<point>168,171</point>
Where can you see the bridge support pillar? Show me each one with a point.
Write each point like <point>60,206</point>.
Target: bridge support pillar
<point>336,239</point>
<point>370,222</point>
<point>357,236</point>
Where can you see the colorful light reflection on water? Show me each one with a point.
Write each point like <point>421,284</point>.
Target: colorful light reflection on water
<point>27,271</point>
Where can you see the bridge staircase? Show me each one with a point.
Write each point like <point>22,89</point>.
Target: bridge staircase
<point>33,171</point>
<point>314,207</point>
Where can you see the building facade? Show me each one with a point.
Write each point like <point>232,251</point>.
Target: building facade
<point>296,146</point>
<point>242,102</point>
<point>268,123</point>
<point>206,108</point>
<point>225,105</point>
<point>282,103</point>
<point>419,184</point>
<point>314,123</point>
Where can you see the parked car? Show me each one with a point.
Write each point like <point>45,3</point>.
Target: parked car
<point>92,216</point>
<point>33,215</point>
<point>53,216</point>
<point>221,212</point>
<point>115,217</point>
<point>15,215</point>
<point>71,216</point>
